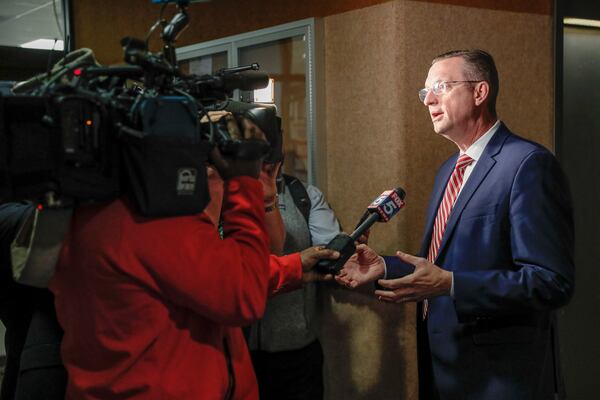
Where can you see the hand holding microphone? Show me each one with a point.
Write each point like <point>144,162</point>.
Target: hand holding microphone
<point>381,210</point>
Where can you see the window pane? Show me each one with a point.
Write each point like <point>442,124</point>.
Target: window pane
<point>205,64</point>
<point>283,60</point>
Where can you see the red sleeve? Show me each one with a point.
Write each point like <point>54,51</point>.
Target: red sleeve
<point>187,262</point>
<point>285,273</point>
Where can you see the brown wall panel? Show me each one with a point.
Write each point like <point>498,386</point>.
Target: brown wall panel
<point>101,25</point>
<point>526,6</point>
<point>363,338</point>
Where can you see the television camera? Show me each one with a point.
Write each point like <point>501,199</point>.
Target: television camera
<point>83,132</point>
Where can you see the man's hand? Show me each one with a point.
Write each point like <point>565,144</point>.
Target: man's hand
<point>310,257</point>
<point>427,281</point>
<point>364,266</point>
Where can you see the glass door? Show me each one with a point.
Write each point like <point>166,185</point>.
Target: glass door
<point>283,60</point>
<point>285,53</point>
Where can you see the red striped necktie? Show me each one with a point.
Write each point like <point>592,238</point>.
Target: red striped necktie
<point>450,195</point>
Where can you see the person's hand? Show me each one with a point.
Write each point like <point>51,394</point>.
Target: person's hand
<point>230,167</point>
<point>427,281</point>
<point>310,257</point>
<point>268,178</point>
<point>251,131</point>
<point>364,266</point>
<point>214,116</point>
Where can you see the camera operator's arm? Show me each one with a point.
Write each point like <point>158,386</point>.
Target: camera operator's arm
<point>282,267</point>
<point>183,259</point>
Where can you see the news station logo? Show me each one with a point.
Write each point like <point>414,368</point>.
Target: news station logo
<point>186,181</point>
<point>387,205</point>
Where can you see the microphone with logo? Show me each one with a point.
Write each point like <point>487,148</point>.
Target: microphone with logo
<point>381,210</point>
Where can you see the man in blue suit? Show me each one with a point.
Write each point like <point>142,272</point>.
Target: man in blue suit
<point>497,256</point>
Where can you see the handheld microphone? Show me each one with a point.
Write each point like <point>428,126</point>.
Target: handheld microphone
<point>382,209</point>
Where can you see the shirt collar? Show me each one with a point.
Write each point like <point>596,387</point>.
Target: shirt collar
<point>474,151</point>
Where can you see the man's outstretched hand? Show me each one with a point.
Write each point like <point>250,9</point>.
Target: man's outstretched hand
<point>427,281</point>
<point>364,266</point>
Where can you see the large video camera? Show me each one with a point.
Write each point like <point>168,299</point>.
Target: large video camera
<point>84,132</point>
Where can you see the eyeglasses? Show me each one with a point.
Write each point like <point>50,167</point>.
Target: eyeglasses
<point>439,88</point>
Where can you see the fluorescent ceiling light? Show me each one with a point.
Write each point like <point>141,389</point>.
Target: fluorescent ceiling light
<point>44,44</point>
<point>592,23</point>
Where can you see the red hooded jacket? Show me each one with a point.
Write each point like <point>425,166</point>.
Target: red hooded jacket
<point>152,308</point>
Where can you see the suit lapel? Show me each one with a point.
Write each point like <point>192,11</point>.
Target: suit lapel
<point>485,163</point>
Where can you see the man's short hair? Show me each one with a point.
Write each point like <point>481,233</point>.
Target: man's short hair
<point>479,65</point>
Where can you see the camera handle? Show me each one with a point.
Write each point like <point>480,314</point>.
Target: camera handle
<point>171,32</point>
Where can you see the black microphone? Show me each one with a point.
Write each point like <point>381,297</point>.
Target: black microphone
<point>382,209</point>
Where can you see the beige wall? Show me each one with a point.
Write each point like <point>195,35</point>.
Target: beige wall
<point>379,136</point>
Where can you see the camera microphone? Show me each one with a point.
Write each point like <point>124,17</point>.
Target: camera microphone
<point>245,80</point>
<point>382,209</point>
<point>227,82</point>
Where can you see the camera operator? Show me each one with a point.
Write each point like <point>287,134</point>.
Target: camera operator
<point>151,307</point>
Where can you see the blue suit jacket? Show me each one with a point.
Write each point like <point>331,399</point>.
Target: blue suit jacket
<point>509,243</point>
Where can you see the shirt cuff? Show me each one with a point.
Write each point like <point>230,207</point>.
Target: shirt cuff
<point>452,285</point>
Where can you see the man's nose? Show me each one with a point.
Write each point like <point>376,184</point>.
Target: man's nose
<point>430,98</point>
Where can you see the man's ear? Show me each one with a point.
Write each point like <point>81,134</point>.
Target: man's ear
<point>481,93</point>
